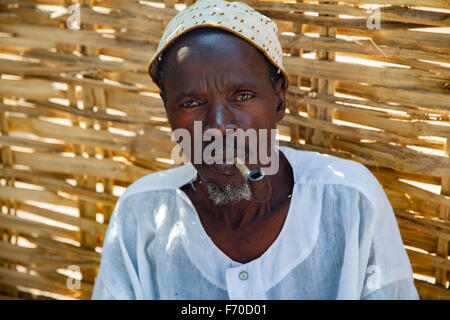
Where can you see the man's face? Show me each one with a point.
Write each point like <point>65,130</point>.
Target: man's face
<point>222,81</point>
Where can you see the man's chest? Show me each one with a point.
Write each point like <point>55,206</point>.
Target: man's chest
<point>250,242</point>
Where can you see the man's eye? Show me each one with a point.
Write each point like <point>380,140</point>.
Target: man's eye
<point>191,104</point>
<point>243,97</point>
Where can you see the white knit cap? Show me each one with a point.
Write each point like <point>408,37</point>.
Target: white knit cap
<point>235,17</point>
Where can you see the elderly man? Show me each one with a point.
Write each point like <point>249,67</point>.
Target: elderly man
<point>317,227</point>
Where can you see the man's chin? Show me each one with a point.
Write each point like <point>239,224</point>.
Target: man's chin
<point>224,192</point>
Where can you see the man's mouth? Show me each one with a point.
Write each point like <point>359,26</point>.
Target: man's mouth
<point>226,168</point>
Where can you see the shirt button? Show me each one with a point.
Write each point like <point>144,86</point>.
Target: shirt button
<point>243,275</point>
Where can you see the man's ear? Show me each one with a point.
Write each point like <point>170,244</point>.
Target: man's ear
<point>280,93</point>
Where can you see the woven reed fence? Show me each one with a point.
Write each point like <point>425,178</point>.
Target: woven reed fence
<point>80,120</point>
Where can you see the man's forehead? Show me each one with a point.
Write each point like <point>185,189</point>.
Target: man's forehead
<point>227,60</point>
<point>202,43</point>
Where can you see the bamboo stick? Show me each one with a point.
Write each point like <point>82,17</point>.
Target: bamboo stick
<point>154,143</point>
<point>431,226</point>
<point>422,3</point>
<point>404,37</point>
<point>34,195</point>
<point>403,201</point>
<point>415,191</point>
<point>398,158</point>
<point>135,8</point>
<point>135,104</point>
<point>37,228</point>
<point>31,111</point>
<point>428,260</point>
<point>18,278</point>
<point>422,270</point>
<point>59,248</point>
<point>78,37</point>
<point>24,68</point>
<point>430,291</point>
<point>339,153</point>
<point>30,88</point>
<point>56,184</point>
<point>83,61</point>
<point>50,109</point>
<point>141,79</point>
<point>36,145</point>
<point>399,127</point>
<point>403,15</point>
<point>356,23</point>
<point>419,98</point>
<point>37,259</point>
<point>94,167</point>
<point>391,174</point>
<point>399,60</point>
<point>83,224</point>
<point>381,136</point>
<point>359,46</point>
<point>388,77</point>
<point>443,248</point>
<point>371,106</point>
<point>417,239</point>
<point>19,43</point>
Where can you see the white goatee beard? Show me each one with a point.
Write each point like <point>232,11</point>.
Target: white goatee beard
<point>222,195</point>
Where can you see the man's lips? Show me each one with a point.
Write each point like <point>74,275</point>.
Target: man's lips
<point>225,169</point>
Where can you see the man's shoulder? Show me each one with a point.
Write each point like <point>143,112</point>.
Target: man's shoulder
<point>170,179</point>
<point>318,168</point>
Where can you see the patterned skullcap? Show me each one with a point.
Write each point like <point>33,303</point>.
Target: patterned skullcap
<point>235,17</point>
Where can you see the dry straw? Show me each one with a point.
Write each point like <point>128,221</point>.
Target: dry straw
<point>80,120</point>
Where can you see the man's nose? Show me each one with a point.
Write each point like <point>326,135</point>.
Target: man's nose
<point>220,117</point>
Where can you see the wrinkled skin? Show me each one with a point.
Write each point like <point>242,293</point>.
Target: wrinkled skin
<point>223,81</point>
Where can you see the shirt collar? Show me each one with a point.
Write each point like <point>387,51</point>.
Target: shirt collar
<point>286,252</point>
